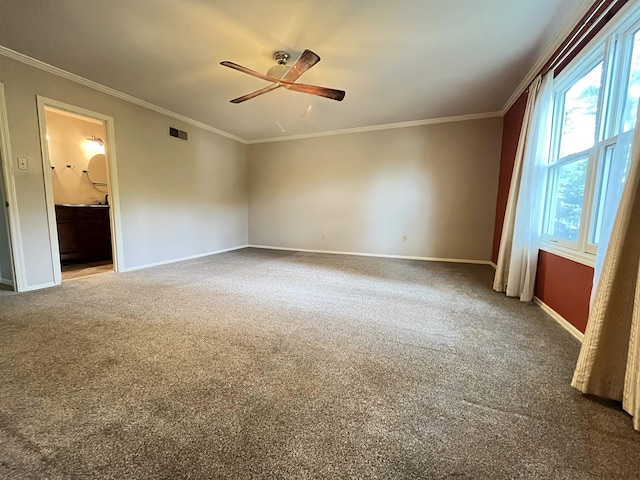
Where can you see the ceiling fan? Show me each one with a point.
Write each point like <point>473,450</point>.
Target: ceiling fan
<point>283,76</point>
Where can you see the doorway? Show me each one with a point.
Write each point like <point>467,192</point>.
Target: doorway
<point>78,158</point>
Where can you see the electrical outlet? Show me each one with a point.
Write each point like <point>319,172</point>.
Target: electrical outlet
<point>23,164</point>
<point>324,235</point>
<point>404,238</point>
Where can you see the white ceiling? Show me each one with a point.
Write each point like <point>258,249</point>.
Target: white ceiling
<point>398,60</point>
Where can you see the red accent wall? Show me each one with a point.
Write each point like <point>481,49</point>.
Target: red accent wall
<point>565,286</point>
<point>562,284</point>
<point>511,124</point>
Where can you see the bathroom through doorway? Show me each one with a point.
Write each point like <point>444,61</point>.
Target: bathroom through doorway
<point>78,181</point>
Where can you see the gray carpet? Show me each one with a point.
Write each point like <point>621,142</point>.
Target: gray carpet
<point>263,364</point>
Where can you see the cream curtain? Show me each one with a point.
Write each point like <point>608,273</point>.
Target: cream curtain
<point>609,361</point>
<point>518,253</point>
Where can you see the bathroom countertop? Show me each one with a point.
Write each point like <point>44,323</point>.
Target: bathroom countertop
<point>79,205</point>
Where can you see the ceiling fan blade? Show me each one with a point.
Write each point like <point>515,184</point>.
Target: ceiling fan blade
<point>307,60</point>
<point>248,71</point>
<point>331,93</point>
<point>251,95</point>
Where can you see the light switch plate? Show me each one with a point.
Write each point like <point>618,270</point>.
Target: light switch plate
<point>23,164</point>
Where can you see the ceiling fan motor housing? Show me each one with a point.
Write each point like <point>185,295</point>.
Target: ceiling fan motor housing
<point>281,57</point>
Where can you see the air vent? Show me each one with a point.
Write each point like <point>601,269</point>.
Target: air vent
<point>174,132</point>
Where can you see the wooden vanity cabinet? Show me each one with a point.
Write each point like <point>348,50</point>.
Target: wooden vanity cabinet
<point>84,233</point>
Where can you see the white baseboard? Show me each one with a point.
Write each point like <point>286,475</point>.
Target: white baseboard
<point>360,254</point>
<point>560,319</point>
<point>495,267</point>
<point>6,281</point>
<point>181,259</point>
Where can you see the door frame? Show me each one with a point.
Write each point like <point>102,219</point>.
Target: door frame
<point>112,180</point>
<point>9,189</point>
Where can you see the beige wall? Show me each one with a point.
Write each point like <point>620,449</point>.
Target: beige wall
<point>177,198</point>
<point>68,145</point>
<point>363,192</point>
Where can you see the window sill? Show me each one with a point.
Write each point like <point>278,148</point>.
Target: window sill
<point>587,259</point>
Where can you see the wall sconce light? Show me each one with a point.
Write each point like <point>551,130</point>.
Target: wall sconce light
<point>92,146</point>
<point>98,140</point>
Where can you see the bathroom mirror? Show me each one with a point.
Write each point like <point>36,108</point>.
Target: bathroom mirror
<point>98,172</point>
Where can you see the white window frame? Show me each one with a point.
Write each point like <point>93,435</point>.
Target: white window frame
<point>613,46</point>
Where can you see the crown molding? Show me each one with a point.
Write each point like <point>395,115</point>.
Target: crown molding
<point>32,62</point>
<point>387,126</point>
<point>546,55</point>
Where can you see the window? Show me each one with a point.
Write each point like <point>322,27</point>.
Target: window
<point>595,101</point>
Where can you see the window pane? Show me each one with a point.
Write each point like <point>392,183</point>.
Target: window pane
<point>601,194</point>
<point>613,174</point>
<point>566,190</point>
<point>579,116</point>
<point>633,88</point>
